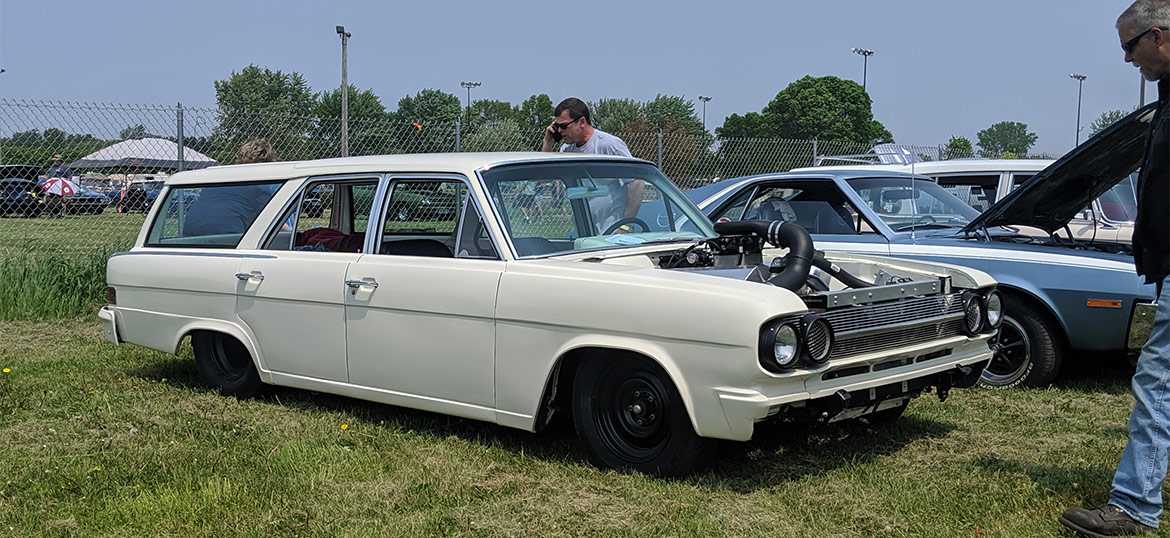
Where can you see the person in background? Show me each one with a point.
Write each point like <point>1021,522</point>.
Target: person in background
<point>59,168</point>
<point>1135,500</point>
<point>573,126</point>
<point>58,204</point>
<point>231,209</point>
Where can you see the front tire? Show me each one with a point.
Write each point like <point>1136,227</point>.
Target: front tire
<point>1028,349</point>
<point>225,364</point>
<point>631,417</point>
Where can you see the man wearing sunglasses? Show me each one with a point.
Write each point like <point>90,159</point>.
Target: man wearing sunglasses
<point>1135,500</point>
<point>573,127</point>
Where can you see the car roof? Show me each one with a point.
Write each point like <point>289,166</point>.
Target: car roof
<point>950,166</point>
<point>462,163</point>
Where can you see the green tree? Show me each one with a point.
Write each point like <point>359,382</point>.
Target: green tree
<point>367,123</point>
<point>613,115</point>
<point>133,131</point>
<point>261,103</point>
<point>535,114</point>
<point>425,122</point>
<point>1106,119</point>
<point>485,111</point>
<point>824,108</point>
<point>506,135</point>
<point>1006,137</point>
<point>750,125</point>
<point>957,148</point>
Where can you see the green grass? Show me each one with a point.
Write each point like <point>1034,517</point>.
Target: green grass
<point>104,440</point>
<point>51,284</point>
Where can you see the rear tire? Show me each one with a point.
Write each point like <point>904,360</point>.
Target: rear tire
<point>1028,349</point>
<point>631,417</point>
<point>225,364</point>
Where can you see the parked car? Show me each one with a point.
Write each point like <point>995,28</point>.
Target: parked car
<point>982,182</point>
<point>139,196</point>
<point>20,196</point>
<point>86,201</point>
<point>655,342</point>
<point>1062,295</point>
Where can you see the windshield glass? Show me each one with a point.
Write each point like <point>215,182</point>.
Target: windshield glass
<point>1119,204</point>
<point>905,203</point>
<point>552,208</point>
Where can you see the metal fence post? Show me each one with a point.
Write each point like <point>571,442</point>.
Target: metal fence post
<point>816,158</point>
<point>179,122</point>
<point>458,137</point>
<point>660,148</point>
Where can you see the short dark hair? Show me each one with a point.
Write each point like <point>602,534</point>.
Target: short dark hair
<point>576,108</point>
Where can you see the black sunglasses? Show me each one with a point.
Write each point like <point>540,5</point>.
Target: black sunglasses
<point>1128,46</point>
<point>561,126</point>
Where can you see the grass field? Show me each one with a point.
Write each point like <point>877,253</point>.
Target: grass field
<point>104,440</point>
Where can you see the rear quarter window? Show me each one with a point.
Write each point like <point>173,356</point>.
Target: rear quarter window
<point>209,216</point>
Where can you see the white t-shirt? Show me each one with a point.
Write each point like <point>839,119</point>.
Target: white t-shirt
<point>606,210</point>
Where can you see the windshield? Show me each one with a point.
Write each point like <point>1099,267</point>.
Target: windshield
<point>552,208</point>
<point>1119,204</point>
<point>905,203</point>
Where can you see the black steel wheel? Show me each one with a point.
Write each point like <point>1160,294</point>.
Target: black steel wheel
<point>1027,349</point>
<point>631,417</point>
<point>225,364</point>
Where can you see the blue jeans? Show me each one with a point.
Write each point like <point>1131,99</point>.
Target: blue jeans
<point>1137,484</point>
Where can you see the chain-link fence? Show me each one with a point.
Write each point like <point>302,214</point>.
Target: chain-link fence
<point>119,155</point>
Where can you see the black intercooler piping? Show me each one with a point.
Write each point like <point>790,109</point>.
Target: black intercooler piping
<point>838,273</point>
<point>797,263</point>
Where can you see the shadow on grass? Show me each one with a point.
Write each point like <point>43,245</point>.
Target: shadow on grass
<point>1103,373</point>
<point>1087,485</point>
<point>779,453</point>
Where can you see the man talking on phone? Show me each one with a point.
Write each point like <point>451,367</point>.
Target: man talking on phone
<point>573,127</point>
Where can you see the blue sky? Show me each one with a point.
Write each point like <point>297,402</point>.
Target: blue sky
<point>941,67</point>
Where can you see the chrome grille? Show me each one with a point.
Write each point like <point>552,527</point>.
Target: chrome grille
<point>876,316</point>
<point>879,341</point>
<point>818,341</point>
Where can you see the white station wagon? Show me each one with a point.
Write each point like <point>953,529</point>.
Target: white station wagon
<point>512,287</point>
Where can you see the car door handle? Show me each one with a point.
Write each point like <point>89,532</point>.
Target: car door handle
<point>254,275</point>
<point>360,283</point>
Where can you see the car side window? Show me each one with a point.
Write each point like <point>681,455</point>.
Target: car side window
<point>209,215</point>
<point>421,218</point>
<point>978,190</point>
<point>328,216</point>
<point>817,208</point>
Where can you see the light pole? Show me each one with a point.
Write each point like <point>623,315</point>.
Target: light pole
<point>704,99</point>
<point>469,86</point>
<point>2,70</point>
<point>344,92</point>
<point>1080,83</point>
<point>865,53</point>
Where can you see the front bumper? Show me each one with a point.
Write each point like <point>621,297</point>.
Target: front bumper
<point>873,390</point>
<point>1141,322</point>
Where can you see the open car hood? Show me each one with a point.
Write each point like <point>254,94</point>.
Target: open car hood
<point>1054,196</point>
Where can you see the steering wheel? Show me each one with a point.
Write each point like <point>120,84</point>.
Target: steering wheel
<point>628,220</point>
<point>920,221</point>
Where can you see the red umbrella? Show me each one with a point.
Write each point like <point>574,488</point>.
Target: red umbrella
<point>60,186</point>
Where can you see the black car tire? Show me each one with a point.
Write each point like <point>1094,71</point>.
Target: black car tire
<point>1028,348</point>
<point>225,364</point>
<point>631,417</point>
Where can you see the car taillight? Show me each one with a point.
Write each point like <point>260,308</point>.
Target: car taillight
<point>111,295</point>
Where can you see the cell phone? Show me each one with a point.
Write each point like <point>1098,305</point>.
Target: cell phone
<point>556,135</point>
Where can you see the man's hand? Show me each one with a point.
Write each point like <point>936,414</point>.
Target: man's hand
<point>549,133</point>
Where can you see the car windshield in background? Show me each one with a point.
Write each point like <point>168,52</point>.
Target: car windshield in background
<point>551,208</point>
<point>904,203</point>
<point>1119,204</point>
<point>210,216</point>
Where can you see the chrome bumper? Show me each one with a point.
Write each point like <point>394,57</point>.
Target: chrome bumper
<point>1141,322</point>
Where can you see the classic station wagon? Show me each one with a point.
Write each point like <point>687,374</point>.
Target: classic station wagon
<point>657,338</point>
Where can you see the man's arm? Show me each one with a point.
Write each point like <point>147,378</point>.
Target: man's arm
<point>634,197</point>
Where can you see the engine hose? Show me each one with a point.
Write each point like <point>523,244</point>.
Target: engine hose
<point>797,263</point>
<point>839,273</point>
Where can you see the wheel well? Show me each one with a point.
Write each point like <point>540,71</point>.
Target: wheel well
<point>1025,297</point>
<point>556,398</point>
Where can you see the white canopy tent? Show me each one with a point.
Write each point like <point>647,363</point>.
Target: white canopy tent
<point>145,152</point>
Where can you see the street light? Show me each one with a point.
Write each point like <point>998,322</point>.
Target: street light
<point>2,70</point>
<point>1080,83</point>
<point>469,86</point>
<point>865,53</point>
<point>704,99</point>
<point>344,93</point>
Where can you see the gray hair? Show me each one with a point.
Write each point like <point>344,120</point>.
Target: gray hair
<point>1146,14</point>
<point>257,150</point>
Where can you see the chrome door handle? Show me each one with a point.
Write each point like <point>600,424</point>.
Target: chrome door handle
<point>254,275</point>
<point>360,283</point>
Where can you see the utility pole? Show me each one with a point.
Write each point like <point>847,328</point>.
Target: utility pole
<point>704,99</point>
<point>469,86</point>
<point>1080,84</point>
<point>344,92</point>
<point>865,53</point>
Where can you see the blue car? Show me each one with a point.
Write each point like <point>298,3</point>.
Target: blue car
<point>1062,295</point>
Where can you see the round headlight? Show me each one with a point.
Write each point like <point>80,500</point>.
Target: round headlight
<point>818,338</point>
<point>972,314</point>
<point>779,346</point>
<point>994,309</point>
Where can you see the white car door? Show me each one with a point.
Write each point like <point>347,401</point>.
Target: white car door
<point>420,322</point>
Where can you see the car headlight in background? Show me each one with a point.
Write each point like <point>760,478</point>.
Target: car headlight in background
<point>779,346</point>
<point>973,313</point>
<point>994,301</point>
